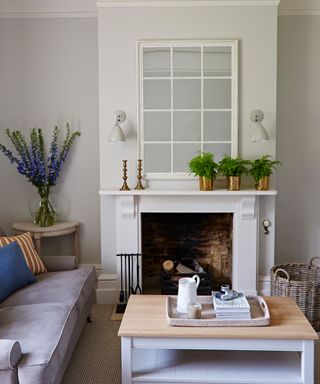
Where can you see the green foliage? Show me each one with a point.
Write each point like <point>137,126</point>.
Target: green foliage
<point>263,167</point>
<point>204,165</point>
<point>229,166</point>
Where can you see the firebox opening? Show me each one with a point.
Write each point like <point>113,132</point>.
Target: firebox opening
<point>192,243</point>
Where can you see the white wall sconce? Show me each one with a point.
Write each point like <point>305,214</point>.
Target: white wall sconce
<point>116,133</point>
<point>259,133</point>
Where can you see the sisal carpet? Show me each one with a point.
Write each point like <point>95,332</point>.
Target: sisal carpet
<point>96,359</point>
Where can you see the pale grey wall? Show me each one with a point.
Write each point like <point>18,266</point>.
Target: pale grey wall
<point>49,75</point>
<point>298,139</point>
<point>255,27</point>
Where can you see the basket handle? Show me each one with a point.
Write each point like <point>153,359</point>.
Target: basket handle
<point>283,271</point>
<point>314,258</point>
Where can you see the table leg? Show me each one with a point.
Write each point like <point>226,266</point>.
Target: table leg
<point>307,362</point>
<point>76,243</point>
<point>37,240</point>
<point>126,360</point>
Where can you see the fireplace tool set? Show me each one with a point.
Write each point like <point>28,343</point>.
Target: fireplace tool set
<point>129,278</point>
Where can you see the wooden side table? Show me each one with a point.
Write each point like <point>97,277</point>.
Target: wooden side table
<point>59,229</point>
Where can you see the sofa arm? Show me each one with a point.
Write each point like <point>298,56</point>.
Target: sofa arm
<point>60,263</point>
<point>10,354</point>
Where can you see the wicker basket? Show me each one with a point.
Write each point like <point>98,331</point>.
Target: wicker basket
<point>301,282</point>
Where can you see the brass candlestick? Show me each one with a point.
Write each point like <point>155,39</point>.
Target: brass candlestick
<point>124,184</point>
<point>139,176</point>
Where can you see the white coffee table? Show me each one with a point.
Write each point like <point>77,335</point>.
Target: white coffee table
<point>153,352</point>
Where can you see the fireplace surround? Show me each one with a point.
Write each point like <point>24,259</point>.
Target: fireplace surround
<point>252,249</point>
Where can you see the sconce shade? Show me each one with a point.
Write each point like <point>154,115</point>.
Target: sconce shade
<point>116,133</point>
<point>260,134</point>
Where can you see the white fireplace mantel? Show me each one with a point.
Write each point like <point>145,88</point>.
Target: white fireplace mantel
<point>253,250</point>
<point>184,192</point>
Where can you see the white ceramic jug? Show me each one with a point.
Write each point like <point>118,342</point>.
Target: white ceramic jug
<point>187,292</point>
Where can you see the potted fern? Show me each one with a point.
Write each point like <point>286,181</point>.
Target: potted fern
<point>233,168</point>
<point>261,169</point>
<point>204,166</point>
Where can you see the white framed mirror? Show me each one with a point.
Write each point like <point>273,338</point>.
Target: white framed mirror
<point>188,103</point>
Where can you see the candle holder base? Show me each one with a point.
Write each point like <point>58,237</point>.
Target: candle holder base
<point>124,187</point>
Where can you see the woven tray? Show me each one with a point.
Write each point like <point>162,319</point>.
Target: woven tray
<point>260,316</point>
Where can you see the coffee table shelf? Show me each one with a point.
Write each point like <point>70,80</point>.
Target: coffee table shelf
<point>186,366</point>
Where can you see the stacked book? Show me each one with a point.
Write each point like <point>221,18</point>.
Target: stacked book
<point>237,308</point>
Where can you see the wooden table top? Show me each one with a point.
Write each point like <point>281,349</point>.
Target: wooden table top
<point>145,316</point>
<point>60,226</point>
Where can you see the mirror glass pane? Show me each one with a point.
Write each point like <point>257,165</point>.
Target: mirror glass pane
<point>183,153</point>
<point>187,102</point>
<point>219,150</point>
<point>186,61</point>
<point>156,94</point>
<point>157,126</point>
<point>217,61</point>
<point>186,94</point>
<point>156,62</point>
<point>217,94</point>
<point>157,158</point>
<point>217,126</point>
<point>186,126</point>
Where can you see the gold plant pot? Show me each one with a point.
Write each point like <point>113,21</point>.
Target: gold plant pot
<point>205,184</point>
<point>263,184</point>
<point>233,183</point>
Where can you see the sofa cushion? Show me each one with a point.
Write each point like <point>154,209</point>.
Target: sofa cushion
<point>26,244</point>
<point>44,332</point>
<point>67,287</point>
<point>14,272</point>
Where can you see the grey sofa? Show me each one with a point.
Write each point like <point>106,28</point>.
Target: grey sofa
<point>41,323</point>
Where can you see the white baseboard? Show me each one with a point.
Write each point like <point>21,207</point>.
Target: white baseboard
<point>108,288</point>
<point>107,291</point>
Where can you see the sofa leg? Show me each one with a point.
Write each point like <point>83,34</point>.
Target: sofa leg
<point>89,319</point>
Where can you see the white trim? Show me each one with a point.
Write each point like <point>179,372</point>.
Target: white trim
<point>299,12</point>
<point>108,277</point>
<point>264,284</point>
<point>184,192</point>
<point>107,291</point>
<point>188,3</point>
<point>299,8</point>
<point>47,15</point>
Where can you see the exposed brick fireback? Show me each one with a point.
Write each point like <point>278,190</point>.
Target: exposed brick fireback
<point>206,237</point>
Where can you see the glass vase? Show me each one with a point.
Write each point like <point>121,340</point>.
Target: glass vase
<point>43,208</point>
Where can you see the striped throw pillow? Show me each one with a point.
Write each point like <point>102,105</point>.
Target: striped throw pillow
<point>26,244</point>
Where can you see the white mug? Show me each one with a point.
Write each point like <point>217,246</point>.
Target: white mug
<point>187,292</point>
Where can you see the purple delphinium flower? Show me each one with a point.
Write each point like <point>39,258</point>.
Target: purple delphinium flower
<point>8,154</point>
<point>30,159</point>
